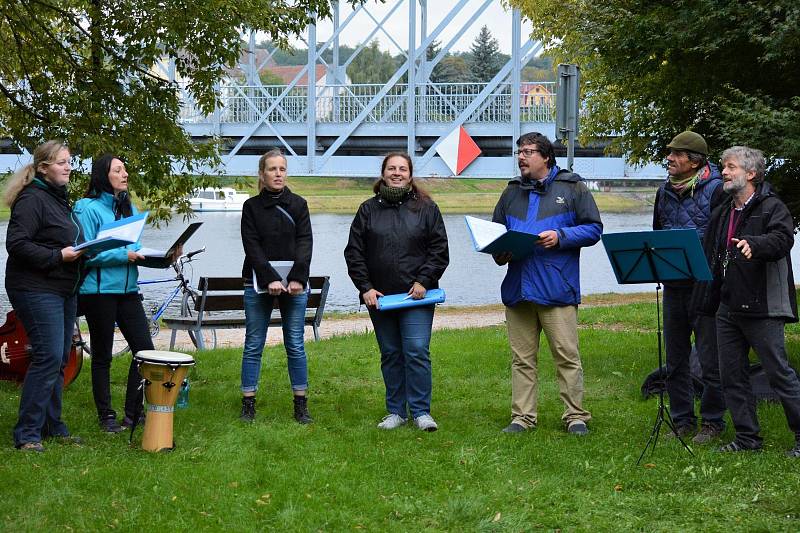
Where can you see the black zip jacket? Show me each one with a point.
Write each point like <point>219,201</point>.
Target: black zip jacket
<point>268,234</point>
<point>759,287</point>
<point>393,245</point>
<point>41,224</point>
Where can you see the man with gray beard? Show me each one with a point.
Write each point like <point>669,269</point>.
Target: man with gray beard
<point>747,244</point>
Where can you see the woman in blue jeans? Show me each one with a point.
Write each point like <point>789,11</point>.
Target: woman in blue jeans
<point>42,278</point>
<point>398,244</point>
<point>276,235</point>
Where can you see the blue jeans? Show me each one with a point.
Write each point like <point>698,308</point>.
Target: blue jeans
<point>257,311</point>
<point>49,320</point>
<point>404,338</point>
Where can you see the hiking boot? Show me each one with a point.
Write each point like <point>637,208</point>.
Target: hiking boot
<point>426,423</point>
<point>109,424</point>
<point>248,409</point>
<point>392,421</point>
<point>31,447</point>
<point>301,410</point>
<point>513,427</point>
<point>736,447</point>
<point>577,427</point>
<point>683,432</point>
<point>707,433</point>
<point>794,452</point>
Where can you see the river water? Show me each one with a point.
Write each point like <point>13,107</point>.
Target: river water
<point>471,279</point>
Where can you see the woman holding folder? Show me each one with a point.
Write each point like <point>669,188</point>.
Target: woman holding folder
<point>110,295</point>
<point>398,244</point>
<point>277,241</point>
<point>42,277</point>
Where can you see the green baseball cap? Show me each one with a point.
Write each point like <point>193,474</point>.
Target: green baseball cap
<point>690,141</point>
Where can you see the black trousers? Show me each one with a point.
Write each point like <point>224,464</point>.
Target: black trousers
<point>735,336</point>
<point>103,311</point>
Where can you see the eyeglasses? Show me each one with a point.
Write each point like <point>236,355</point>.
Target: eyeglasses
<point>527,152</point>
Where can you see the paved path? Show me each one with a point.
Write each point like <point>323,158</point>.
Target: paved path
<point>360,323</point>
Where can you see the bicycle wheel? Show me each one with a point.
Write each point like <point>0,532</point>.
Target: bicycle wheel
<point>209,339</point>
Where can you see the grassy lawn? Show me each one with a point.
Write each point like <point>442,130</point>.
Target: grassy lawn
<point>344,474</point>
<point>454,196</point>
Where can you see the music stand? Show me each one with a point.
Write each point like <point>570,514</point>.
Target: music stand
<point>656,257</point>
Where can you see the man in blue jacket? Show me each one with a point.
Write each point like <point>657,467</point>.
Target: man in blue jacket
<point>542,290</point>
<point>685,201</point>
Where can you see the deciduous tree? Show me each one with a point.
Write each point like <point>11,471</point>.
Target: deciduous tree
<point>83,71</point>
<point>728,70</point>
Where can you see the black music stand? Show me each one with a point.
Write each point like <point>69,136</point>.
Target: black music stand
<point>656,257</point>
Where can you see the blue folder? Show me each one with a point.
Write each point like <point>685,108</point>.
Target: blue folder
<point>400,301</point>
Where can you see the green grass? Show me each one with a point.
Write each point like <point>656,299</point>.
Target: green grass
<point>343,474</point>
<point>453,195</point>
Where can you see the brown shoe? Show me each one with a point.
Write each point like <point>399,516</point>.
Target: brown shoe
<point>707,433</point>
<point>683,432</point>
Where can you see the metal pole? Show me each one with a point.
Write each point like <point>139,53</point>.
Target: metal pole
<point>424,75</point>
<point>516,74</point>
<point>412,74</point>
<point>311,98</point>
<point>336,80</point>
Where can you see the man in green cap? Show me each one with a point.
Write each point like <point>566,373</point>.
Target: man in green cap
<point>685,200</point>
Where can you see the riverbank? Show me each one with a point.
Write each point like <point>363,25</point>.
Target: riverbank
<point>453,195</point>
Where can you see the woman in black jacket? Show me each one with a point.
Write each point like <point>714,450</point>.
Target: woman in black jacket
<point>398,244</point>
<point>42,279</point>
<point>276,235</point>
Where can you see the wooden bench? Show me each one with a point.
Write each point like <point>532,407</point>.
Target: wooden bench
<point>219,295</point>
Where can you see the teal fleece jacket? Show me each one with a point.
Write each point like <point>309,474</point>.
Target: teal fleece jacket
<point>109,272</point>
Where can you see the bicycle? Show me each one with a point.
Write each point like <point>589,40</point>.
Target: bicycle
<point>157,310</point>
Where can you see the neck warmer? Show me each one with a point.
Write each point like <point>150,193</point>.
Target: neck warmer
<point>394,195</point>
<point>688,184</point>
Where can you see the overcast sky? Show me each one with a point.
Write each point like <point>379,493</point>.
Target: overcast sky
<point>495,17</point>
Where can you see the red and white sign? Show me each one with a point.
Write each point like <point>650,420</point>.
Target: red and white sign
<point>458,150</point>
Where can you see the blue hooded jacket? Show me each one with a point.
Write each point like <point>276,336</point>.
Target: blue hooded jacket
<point>109,271</point>
<point>563,203</point>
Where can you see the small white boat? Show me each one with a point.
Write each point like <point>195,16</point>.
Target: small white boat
<point>223,199</point>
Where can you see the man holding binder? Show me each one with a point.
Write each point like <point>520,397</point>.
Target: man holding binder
<point>541,291</point>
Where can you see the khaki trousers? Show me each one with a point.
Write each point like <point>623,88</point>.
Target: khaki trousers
<point>525,322</point>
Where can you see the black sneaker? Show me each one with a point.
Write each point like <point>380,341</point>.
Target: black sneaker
<point>513,427</point>
<point>301,410</point>
<point>736,447</point>
<point>577,427</point>
<point>109,424</point>
<point>127,422</point>
<point>248,409</point>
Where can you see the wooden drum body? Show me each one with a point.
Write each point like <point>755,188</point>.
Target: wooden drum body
<point>163,373</point>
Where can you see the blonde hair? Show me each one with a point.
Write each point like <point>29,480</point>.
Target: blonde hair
<point>262,164</point>
<point>44,154</point>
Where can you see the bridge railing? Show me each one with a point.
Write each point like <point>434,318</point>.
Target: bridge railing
<point>435,103</point>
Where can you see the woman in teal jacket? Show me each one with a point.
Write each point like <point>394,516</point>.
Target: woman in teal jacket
<point>109,295</point>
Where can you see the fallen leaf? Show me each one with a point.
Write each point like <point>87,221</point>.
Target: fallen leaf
<point>496,517</point>
<point>650,465</point>
<point>618,487</point>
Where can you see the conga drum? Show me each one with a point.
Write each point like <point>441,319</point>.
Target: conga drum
<point>163,373</point>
